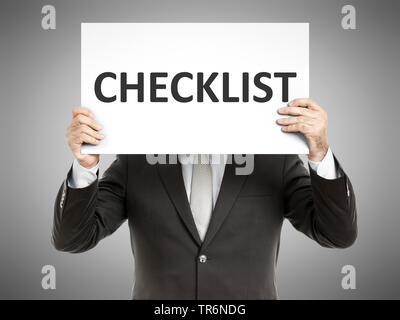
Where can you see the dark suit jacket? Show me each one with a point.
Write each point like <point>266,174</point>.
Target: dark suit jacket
<point>241,246</point>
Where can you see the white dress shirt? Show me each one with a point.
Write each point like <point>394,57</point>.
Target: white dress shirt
<point>82,177</point>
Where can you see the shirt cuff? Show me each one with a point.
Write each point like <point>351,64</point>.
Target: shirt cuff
<point>82,177</point>
<point>327,167</point>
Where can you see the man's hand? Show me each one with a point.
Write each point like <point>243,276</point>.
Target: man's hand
<point>83,128</point>
<point>312,121</point>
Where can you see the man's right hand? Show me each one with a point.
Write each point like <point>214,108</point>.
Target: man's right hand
<point>82,129</point>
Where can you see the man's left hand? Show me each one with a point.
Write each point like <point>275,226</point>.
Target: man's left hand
<point>309,119</point>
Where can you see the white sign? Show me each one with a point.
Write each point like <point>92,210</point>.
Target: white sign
<point>193,88</point>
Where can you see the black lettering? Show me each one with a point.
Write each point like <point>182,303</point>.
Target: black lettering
<point>127,86</point>
<point>154,86</point>
<point>174,87</point>
<point>245,87</point>
<point>262,86</point>
<point>225,89</point>
<point>285,83</point>
<point>205,86</point>
<point>97,87</point>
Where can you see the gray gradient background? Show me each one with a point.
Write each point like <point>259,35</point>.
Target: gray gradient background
<point>354,76</point>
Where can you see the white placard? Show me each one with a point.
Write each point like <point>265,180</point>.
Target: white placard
<point>177,127</point>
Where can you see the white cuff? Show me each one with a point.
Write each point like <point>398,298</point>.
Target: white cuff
<point>327,167</point>
<point>82,177</point>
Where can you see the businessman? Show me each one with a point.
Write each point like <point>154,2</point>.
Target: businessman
<point>198,230</point>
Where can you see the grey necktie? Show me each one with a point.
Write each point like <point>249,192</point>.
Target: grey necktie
<point>201,195</point>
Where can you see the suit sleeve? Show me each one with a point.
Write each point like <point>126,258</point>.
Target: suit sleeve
<point>324,210</point>
<point>84,216</point>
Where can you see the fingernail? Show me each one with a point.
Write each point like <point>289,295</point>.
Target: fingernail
<point>283,129</point>
<point>102,136</point>
<point>281,109</point>
<point>91,115</point>
<point>278,121</point>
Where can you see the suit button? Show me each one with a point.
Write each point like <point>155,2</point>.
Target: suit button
<point>203,258</point>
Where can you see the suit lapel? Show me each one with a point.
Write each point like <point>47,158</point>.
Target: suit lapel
<point>230,188</point>
<point>171,176</point>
